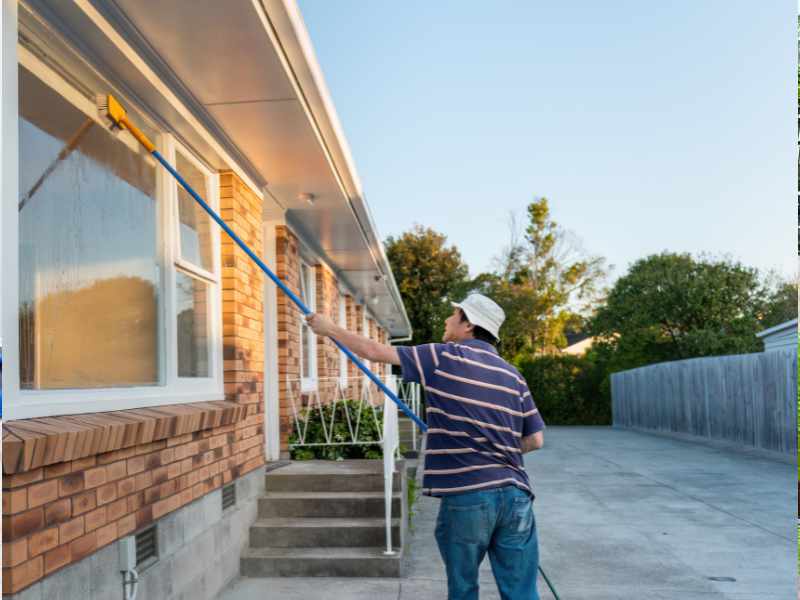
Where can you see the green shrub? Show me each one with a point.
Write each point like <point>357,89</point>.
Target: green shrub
<point>567,389</point>
<point>368,431</point>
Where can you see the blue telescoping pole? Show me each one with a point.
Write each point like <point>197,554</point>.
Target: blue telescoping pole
<point>402,405</point>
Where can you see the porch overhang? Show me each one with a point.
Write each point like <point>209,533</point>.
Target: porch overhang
<point>245,75</point>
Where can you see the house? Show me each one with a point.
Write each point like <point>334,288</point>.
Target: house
<point>148,362</point>
<point>780,337</point>
<point>578,343</point>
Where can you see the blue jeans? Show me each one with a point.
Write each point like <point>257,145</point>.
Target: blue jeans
<point>499,521</point>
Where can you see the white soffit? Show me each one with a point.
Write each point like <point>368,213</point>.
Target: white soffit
<point>231,65</point>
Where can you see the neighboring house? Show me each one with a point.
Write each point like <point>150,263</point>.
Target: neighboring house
<point>780,337</point>
<point>125,307</point>
<point>577,343</point>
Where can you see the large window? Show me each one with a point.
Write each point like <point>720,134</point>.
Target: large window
<point>117,291</point>
<point>308,345</point>
<point>89,283</point>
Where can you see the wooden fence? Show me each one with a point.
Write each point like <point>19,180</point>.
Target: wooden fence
<point>750,399</point>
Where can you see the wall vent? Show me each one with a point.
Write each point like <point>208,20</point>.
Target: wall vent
<point>146,547</point>
<point>228,496</point>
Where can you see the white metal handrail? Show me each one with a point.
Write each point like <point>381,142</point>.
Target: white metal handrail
<point>333,393</point>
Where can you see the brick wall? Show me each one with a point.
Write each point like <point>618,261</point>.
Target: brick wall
<point>328,305</point>
<point>288,269</point>
<point>163,458</point>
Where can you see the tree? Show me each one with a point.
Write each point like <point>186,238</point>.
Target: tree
<point>672,306</point>
<point>429,275</point>
<point>544,281</point>
<point>782,304</point>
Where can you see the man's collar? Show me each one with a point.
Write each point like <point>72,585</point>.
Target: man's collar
<point>479,344</point>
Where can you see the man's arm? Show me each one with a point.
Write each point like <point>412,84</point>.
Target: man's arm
<point>362,346</point>
<point>532,442</point>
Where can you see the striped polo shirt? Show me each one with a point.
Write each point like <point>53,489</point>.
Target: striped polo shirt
<point>478,409</point>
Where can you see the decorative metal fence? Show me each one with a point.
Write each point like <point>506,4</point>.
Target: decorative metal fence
<point>362,406</point>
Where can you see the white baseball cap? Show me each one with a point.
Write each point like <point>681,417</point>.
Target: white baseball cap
<point>483,312</point>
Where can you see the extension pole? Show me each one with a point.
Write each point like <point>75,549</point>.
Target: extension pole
<point>300,304</point>
<point>550,585</point>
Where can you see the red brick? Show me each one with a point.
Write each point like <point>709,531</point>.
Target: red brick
<point>173,470</point>
<point>70,530</point>
<point>15,501</point>
<point>84,502</point>
<point>106,493</point>
<point>117,470</point>
<point>93,478</point>
<point>152,461</point>
<point>144,516</point>
<point>42,493</point>
<point>57,470</point>
<point>83,546</point>
<point>167,456</point>
<point>126,525</point>
<point>57,558</point>
<point>143,480</point>
<point>106,534</point>
<point>22,524</point>
<point>19,479</point>
<point>95,519</point>
<point>23,575</point>
<point>116,455</point>
<point>160,475</point>
<point>57,512</point>
<point>71,484</point>
<point>84,463</point>
<point>117,509</point>
<point>135,465</point>
<point>15,553</point>
<point>135,501</point>
<point>42,541</point>
<point>126,486</point>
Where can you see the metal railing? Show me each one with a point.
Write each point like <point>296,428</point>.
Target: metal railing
<point>330,398</point>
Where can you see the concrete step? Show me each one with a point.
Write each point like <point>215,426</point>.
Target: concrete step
<point>320,532</point>
<point>325,504</point>
<point>278,481</point>
<point>320,562</point>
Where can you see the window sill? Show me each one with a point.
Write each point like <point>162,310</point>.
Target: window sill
<point>32,443</point>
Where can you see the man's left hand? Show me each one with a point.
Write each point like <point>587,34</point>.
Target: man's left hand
<point>320,324</point>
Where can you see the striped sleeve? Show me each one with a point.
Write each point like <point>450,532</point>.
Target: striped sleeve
<point>418,363</point>
<point>531,419</point>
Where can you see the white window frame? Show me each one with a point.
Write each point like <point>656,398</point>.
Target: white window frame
<point>308,381</point>
<point>172,245</point>
<point>343,360</point>
<point>22,404</point>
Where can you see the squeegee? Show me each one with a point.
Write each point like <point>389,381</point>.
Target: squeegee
<point>111,108</point>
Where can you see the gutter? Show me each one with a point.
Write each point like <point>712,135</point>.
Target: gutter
<point>292,40</point>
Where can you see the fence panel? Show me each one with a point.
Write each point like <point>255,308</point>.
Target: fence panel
<point>749,399</point>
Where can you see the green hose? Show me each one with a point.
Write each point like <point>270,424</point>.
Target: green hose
<point>550,585</point>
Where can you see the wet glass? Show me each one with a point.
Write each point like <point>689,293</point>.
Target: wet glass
<point>193,326</point>
<point>89,281</point>
<point>195,224</point>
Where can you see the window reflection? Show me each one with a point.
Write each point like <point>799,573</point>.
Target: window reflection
<point>195,224</point>
<point>89,277</point>
<point>193,323</point>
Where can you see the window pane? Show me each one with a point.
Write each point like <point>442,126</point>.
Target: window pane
<point>306,349</point>
<point>195,224</point>
<point>193,326</point>
<point>88,278</point>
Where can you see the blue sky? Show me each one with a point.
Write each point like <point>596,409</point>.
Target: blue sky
<point>649,126</point>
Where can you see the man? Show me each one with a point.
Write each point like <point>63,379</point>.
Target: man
<point>481,419</point>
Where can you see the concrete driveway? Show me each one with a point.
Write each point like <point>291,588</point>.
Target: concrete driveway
<point>621,515</point>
